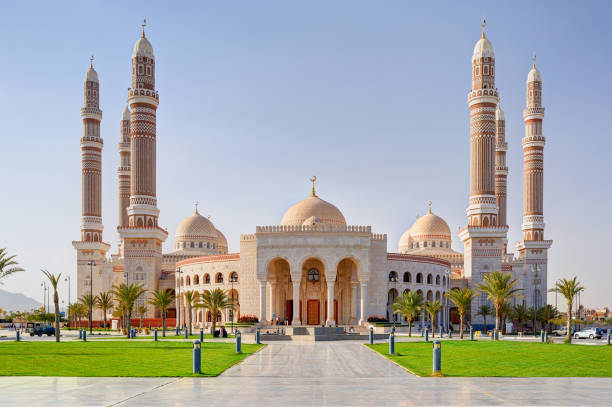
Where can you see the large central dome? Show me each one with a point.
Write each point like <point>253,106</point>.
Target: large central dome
<point>313,210</point>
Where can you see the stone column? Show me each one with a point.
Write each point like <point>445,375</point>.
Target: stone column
<point>330,305</point>
<point>272,299</point>
<point>363,297</point>
<point>296,303</point>
<point>262,301</point>
<point>354,292</point>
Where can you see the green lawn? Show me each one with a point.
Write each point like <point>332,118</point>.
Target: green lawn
<point>510,359</point>
<point>115,358</point>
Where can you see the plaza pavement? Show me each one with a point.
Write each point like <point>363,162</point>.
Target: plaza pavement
<point>342,373</point>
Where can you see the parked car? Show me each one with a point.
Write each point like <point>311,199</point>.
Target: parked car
<point>561,331</point>
<point>40,328</point>
<point>590,333</point>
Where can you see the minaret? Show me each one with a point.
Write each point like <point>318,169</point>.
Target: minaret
<point>501,169</point>
<point>142,238</point>
<point>533,250</point>
<point>483,238</point>
<point>91,248</point>
<point>123,171</point>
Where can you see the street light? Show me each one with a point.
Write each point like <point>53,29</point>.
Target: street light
<point>178,299</point>
<point>68,279</point>
<point>44,286</point>
<point>233,279</point>
<point>393,279</point>
<point>91,263</point>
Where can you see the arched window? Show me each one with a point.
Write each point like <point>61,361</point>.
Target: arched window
<point>433,244</point>
<point>417,245</point>
<point>420,278</point>
<point>187,281</point>
<point>208,245</point>
<point>192,245</point>
<point>201,245</point>
<point>313,275</point>
<point>233,277</point>
<point>393,277</point>
<point>139,222</point>
<point>150,223</point>
<point>437,280</point>
<point>219,278</point>
<point>429,279</point>
<point>407,277</point>
<point>206,278</point>
<point>196,280</point>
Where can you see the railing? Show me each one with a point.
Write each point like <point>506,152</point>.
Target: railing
<point>313,228</point>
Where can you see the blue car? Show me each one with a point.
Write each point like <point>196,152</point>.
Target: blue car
<point>40,329</point>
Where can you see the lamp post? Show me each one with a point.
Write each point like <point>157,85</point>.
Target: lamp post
<point>91,263</point>
<point>68,280</point>
<point>233,279</point>
<point>393,279</point>
<point>44,286</point>
<point>446,307</point>
<point>178,299</point>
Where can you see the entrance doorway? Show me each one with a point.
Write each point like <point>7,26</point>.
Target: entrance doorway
<point>312,312</point>
<point>289,311</point>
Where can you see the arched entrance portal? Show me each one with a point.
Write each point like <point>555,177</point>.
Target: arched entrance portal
<point>346,292</point>
<point>313,292</point>
<point>280,299</point>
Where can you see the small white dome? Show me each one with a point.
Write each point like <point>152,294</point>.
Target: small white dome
<point>196,227</point>
<point>91,75</point>
<point>534,75</point>
<point>499,114</point>
<point>483,49</point>
<point>126,114</point>
<point>143,48</point>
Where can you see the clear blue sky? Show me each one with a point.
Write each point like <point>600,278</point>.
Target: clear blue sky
<point>258,96</point>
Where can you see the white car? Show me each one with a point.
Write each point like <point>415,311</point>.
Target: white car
<point>590,333</point>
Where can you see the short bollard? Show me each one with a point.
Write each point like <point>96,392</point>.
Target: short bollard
<point>545,336</point>
<point>608,337</point>
<point>371,335</point>
<point>392,343</point>
<point>393,329</point>
<point>440,332</point>
<point>238,342</point>
<point>133,333</point>
<point>186,333</point>
<point>18,338</point>
<point>80,334</point>
<point>437,359</point>
<point>257,336</point>
<point>155,335</point>
<point>426,335</point>
<point>542,336</point>
<point>197,357</point>
<point>177,331</point>
<point>422,332</point>
<point>84,336</point>
<point>201,335</point>
<point>450,333</point>
<point>471,334</point>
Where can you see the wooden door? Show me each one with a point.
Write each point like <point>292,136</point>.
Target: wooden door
<point>289,311</point>
<point>312,312</point>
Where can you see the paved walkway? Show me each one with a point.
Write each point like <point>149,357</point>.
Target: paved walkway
<point>306,374</point>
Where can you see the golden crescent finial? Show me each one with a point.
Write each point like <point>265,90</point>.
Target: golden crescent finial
<point>144,24</point>
<point>196,206</point>
<point>313,180</point>
<point>534,60</point>
<point>429,204</point>
<point>91,59</point>
<point>484,25</point>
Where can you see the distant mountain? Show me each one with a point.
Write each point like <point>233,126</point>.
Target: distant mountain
<point>17,302</point>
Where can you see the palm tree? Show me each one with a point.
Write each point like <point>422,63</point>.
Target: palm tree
<point>503,313</point>
<point>432,309</point>
<point>141,310</point>
<point>190,298</point>
<point>499,288</point>
<point>162,300</point>
<point>546,314</point>
<point>568,289</point>
<point>104,302</point>
<point>126,296</point>
<point>462,298</point>
<point>519,314</point>
<point>8,264</point>
<point>214,301</point>
<point>87,300</point>
<point>409,304</point>
<point>483,311</point>
<point>532,315</point>
<point>74,312</point>
<point>54,280</point>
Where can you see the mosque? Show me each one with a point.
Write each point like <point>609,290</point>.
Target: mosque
<point>312,268</point>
